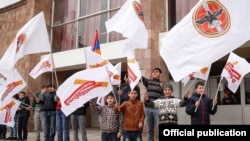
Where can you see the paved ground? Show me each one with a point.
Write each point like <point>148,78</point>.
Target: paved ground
<point>93,134</point>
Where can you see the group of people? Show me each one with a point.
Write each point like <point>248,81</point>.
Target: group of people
<point>21,118</point>
<point>48,117</point>
<point>123,118</point>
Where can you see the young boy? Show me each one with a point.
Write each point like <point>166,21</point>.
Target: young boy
<point>23,116</point>
<point>200,106</point>
<point>133,111</point>
<point>168,105</point>
<point>154,91</point>
<point>110,122</point>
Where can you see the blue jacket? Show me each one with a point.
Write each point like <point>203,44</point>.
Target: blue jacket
<point>202,114</point>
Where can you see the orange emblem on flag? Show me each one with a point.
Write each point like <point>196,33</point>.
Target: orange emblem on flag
<point>10,87</point>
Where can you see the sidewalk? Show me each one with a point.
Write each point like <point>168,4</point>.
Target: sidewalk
<point>93,134</point>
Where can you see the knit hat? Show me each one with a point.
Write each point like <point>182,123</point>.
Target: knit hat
<point>168,85</point>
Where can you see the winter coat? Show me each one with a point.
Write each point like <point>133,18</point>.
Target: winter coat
<point>201,115</point>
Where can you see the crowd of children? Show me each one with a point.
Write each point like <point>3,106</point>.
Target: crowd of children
<point>121,120</point>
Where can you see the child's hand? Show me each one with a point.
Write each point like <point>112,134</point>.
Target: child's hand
<point>197,103</point>
<point>140,125</point>
<point>214,101</point>
<point>186,93</point>
<point>146,96</point>
<point>117,105</point>
<point>119,135</point>
<point>119,92</point>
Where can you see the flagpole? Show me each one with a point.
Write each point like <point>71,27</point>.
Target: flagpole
<point>54,70</point>
<point>201,95</point>
<point>217,91</point>
<point>112,85</point>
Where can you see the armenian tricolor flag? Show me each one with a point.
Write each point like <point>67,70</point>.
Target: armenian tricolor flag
<point>96,45</point>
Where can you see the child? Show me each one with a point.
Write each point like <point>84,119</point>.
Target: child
<point>23,116</point>
<point>125,89</point>
<point>154,91</point>
<point>168,105</point>
<point>110,122</point>
<point>200,109</point>
<point>133,111</point>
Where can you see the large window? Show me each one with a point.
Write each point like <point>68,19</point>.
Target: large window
<point>177,10</point>
<point>75,22</point>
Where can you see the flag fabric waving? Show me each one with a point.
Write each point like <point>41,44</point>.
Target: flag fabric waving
<point>234,71</point>
<point>117,77</point>
<point>214,27</point>
<point>96,45</point>
<point>185,80</point>
<point>94,60</point>
<point>83,86</point>
<point>13,84</point>
<point>45,65</point>
<point>202,73</point>
<point>134,73</point>
<point>31,38</point>
<point>8,110</point>
<point>129,21</point>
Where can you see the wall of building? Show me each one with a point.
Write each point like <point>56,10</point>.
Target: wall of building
<point>11,22</point>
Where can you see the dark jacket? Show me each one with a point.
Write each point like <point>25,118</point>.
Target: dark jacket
<point>81,110</point>
<point>154,90</point>
<point>202,114</point>
<point>25,102</point>
<point>125,90</point>
<point>49,102</point>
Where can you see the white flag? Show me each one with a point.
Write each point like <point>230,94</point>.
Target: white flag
<point>235,70</point>
<point>8,110</point>
<point>101,100</point>
<point>45,65</point>
<point>185,80</point>
<point>211,30</point>
<point>129,21</point>
<point>117,77</point>
<point>94,60</point>
<point>31,38</point>
<point>203,73</point>
<point>83,86</point>
<point>134,73</point>
<point>13,84</point>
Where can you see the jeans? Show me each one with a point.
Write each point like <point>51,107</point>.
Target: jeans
<point>13,130</point>
<point>152,115</point>
<point>49,126</point>
<point>79,120</point>
<point>132,135</point>
<point>39,120</point>
<point>62,126</point>
<point>112,136</point>
<point>22,123</point>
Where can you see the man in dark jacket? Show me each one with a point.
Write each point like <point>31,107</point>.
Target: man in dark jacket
<point>200,106</point>
<point>49,108</point>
